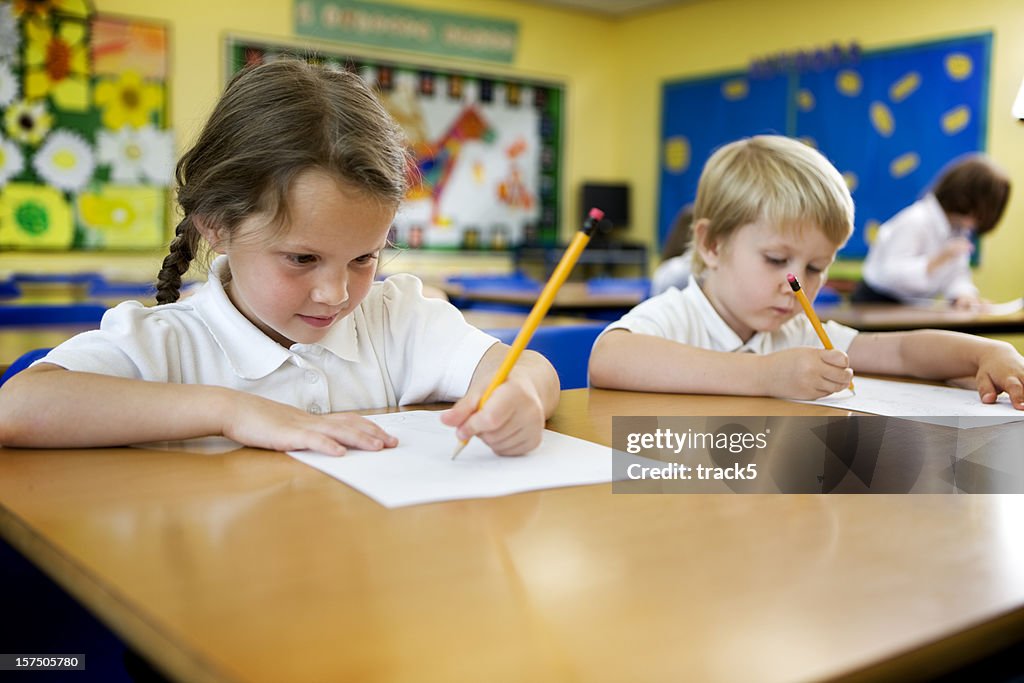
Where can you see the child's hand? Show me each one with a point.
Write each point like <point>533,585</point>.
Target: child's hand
<point>1001,369</point>
<point>969,302</point>
<point>262,423</point>
<point>511,422</point>
<point>806,373</point>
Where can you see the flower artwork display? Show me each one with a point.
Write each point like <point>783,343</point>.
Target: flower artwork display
<point>86,158</point>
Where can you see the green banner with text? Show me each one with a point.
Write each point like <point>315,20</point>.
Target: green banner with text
<point>404,28</point>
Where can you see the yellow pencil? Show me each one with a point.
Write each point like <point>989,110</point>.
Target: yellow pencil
<point>547,296</point>
<point>811,315</point>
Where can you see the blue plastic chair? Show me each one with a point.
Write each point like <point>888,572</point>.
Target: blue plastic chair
<point>619,285</point>
<point>567,347</point>
<point>106,289</point>
<point>511,282</point>
<point>13,313</point>
<point>24,360</point>
<point>827,296</point>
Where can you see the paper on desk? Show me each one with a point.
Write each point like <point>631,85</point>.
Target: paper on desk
<point>923,402</point>
<point>1006,308</point>
<point>421,470</point>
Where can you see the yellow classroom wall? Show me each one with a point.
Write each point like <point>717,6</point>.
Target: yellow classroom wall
<point>614,70</point>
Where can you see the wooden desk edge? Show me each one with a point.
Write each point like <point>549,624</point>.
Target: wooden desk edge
<point>144,636</point>
<point>945,655</point>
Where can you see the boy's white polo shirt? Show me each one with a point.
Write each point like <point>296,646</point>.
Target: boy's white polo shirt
<point>397,348</point>
<point>686,316</point>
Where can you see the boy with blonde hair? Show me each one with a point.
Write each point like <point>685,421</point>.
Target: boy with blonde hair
<point>768,206</point>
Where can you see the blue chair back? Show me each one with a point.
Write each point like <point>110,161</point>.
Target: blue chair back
<point>24,360</point>
<point>77,312</point>
<point>566,347</point>
<point>509,282</point>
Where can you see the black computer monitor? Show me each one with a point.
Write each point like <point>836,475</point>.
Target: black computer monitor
<point>612,198</point>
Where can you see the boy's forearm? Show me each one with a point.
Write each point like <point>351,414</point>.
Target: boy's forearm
<point>639,362</point>
<point>45,408</point>
<point>926,354</point>
<point>940,354</point>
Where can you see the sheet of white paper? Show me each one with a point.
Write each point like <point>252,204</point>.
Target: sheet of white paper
<point>1006,308</point>
<point>923,402</point>
<point>421,470</point>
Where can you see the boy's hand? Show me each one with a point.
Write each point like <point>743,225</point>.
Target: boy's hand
<point>806,373</point>
<point>1001,369</point>
<point>511,422</point>
<point>259,422</point>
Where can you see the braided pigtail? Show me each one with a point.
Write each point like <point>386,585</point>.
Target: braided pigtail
<point>181,252</point>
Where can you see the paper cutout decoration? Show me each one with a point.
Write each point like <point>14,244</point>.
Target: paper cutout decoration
<point>34,216</point>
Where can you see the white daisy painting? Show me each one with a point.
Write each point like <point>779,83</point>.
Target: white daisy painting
<point>137,155</point>
<point>10,88</point>
<point>12,161</point>
<point>10,36</point>
<point>65,161</point>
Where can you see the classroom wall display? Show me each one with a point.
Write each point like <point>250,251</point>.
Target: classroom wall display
<point>889,120</point>
<point>487,148</point>
<point>85,154</point>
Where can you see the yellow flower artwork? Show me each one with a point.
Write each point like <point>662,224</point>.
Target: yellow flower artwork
<point>123,216</point>
<point>128,100</point>
<point>34,216</point>
<point>57,64</point>
<point>44,8</point>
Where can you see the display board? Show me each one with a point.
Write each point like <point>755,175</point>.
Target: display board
<point>488,148</point>
<point>889,120</point>
<point>85,154</point>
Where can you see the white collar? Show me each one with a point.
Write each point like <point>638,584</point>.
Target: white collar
<point>251,353</point>
<point>722,337</point>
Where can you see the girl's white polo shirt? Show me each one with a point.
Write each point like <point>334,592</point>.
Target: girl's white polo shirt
<point>397,348</point>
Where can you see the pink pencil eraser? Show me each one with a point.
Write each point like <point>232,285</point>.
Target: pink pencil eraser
<point>791,278</point>
<point>596,213</point>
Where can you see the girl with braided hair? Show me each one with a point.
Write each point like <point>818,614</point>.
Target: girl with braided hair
<point>293,183</point>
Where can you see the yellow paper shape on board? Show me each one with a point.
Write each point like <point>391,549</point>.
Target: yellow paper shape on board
<point>959,66</point>
<point>882,119</point>
<point>677,154</point>
<point>123,216</point>
<point>34,216</point>
<point>956,119</point>
<point>905,86</point>
<point>849,83</point>
<point>904,164</point>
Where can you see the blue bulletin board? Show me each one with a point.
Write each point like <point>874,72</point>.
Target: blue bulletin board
<point>889,120</point>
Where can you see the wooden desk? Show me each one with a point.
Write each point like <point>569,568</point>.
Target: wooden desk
<point>250,566</point>
<point>886,318</point>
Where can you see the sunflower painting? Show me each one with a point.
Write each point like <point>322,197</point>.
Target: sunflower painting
<point>86,157</point>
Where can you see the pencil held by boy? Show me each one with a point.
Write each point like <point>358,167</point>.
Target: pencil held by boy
<point>924,251</point>
<point>293,184</point>
<point>767,207</point>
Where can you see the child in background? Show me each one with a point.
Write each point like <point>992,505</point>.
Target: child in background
<point>676,256</point>
<point>294,181</point>
<point>924,251</point>
<point>768,206</point>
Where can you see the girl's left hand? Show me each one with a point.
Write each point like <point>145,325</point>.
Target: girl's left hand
<point>511,422</point>
<point>999,370</point>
